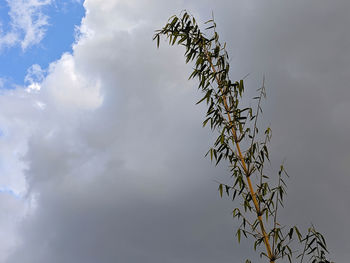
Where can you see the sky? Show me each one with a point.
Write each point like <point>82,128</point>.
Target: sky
<point>102,146</point>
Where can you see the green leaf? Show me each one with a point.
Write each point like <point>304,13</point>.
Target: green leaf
<point>205,121</point>
<point>158,40</point>
<point>239,235</point>
<point>201,100</point>
<point>210,27</point>
<point>220,190</point>
<point>227,189</point>
<point>241,87</point>
<point>322,245</point>
<point>210,20</point>
<point>290,234</point>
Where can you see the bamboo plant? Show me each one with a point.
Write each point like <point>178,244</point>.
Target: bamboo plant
<point>256,195</point>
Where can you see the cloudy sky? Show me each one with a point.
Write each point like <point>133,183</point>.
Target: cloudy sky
<point>101,143</point>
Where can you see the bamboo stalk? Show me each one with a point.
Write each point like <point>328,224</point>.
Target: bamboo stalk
<point>247,175</point>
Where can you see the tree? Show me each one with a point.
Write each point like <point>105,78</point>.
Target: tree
<point>242,145</point>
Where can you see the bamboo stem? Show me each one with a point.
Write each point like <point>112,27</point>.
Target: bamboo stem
<point>247,175</point>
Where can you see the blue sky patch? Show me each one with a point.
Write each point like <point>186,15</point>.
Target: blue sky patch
<point>63,16</point>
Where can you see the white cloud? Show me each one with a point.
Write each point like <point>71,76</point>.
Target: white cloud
<point>28,23</point>
<point>17,122</point>
<point>8,39</point>
<point>34,77</point>
<point>33,87</point>
<point>35,74</point>
<point>68,88</point>
<point>15,130</point>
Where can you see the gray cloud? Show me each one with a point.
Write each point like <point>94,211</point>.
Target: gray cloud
<point>125,180</point>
